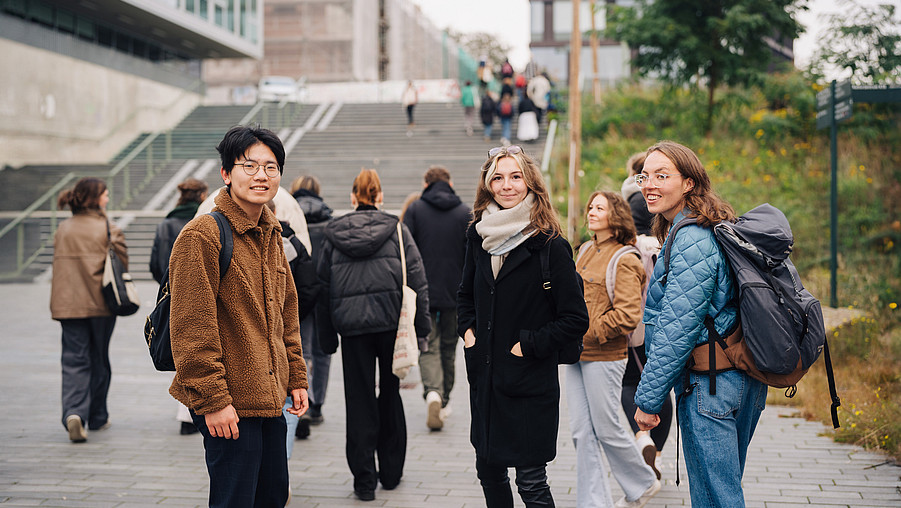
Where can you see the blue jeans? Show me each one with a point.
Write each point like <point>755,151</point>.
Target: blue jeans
<point>592,395</point>
<point>318,363</point>
<point>291,421</point>
<point>507,128</point>
<point>716,432</point>
<point>251,470</point>
<point>488,128</point>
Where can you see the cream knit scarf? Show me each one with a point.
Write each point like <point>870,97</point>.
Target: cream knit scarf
<point>502,229</point>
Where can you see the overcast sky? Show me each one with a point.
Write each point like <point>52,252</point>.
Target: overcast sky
<point>509,19</point>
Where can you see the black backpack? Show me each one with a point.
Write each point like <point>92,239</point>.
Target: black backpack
<point>572,351</point>
<point>156,328</point>
<point>783,332</point>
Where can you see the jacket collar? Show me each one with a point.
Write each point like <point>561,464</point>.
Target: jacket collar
<point>239,220</point>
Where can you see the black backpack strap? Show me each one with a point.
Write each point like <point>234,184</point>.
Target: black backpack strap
<point>669,245</point>
<point>544,260</point>
<point>226,240</point>
<point>836,402</point>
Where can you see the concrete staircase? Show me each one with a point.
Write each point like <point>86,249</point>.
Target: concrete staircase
<point>330,141</point>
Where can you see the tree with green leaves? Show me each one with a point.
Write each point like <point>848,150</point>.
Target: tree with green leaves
<point>479,44</point>
<point>714,42</point>
<point>865,40</point>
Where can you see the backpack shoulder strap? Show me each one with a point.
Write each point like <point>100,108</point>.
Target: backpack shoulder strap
<point>612,266</point>
<point>669,245</point>
<point>544,259</point>
<point>226,240</point>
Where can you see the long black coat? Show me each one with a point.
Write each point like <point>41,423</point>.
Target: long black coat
<point>515,401</point>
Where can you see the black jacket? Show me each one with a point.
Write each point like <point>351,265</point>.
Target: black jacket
<point>515,401</point>
<point>360,278</point>
<point>318,214</point>
<point>166,233</point>
<point>438,222</point>
<point>487,110</point>
<point>640,213</point>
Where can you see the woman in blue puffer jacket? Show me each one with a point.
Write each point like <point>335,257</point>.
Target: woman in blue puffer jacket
<point>716,429</point>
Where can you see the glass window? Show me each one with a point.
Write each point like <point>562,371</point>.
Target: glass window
<point>563,19</point>
<point>537,21</point>
<point>85,29</point>
<point>65,21</point>
<point>204,9</point>
<point>190,7</point>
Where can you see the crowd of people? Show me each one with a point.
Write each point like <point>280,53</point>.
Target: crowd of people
<point>252,346</point>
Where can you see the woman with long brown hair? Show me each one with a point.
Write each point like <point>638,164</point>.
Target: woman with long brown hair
<point>80,247</point>
<point>594,384</point>
<point>360,299</point>
<point>716,429</point>
<point>519,304</point>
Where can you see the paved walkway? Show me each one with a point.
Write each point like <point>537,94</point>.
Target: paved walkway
<point>143,461</point>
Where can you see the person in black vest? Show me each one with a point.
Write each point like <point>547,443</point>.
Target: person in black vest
<point>438,221</point>
<point>305,190</point>
<point>514,323</point>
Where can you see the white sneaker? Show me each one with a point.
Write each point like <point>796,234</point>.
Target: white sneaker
<point>641,501</point>
<point>648,452</point>
<point>433,405</point>
<point>76,430</point>
<point>445,413</point>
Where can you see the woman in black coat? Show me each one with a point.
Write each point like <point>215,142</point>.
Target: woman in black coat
<point>513,328</point>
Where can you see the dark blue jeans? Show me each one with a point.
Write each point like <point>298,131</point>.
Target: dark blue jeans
<point>251,470</point>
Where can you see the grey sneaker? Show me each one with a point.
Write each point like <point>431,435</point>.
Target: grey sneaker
<point>77,434</point>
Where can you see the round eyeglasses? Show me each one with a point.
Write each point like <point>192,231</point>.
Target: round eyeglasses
<point>510,150</point>
<point>659,179</point>
<point>252,167</point>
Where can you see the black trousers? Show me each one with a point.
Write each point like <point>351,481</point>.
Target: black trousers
<point>375,424</point>
<point>86,371</point>
<point>531,482</point>
<point>251,471</point>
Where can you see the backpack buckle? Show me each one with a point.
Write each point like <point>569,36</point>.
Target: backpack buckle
<point>546,285</point>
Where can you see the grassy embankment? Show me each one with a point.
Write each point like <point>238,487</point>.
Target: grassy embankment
<point>764,148</point>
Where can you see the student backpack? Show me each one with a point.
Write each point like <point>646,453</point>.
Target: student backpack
<point>646,248</point>
<point>156,327</point>
<point>784,332</point>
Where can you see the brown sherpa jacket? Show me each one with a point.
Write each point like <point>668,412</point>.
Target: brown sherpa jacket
<point>236,341</point>
<point>605,340</point>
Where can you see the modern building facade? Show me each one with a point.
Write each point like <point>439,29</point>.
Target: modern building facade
<point>551,28</point>
<point>345,41</point>
<point>83,77</point>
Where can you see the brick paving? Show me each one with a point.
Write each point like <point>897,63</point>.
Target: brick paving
<point>143,461</point>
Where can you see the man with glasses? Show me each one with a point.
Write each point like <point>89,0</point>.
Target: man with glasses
<point>236,335</point>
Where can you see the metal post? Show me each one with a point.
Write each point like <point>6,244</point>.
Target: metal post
<point>833,204</point>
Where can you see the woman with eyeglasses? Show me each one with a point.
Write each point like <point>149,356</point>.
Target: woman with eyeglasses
<point>514,323</point>
<point>594,383</point>
<point>360,299</point>
<point>716,429</point>
<point>80,247</point>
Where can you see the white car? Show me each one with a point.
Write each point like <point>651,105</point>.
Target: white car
<point>277,89</point>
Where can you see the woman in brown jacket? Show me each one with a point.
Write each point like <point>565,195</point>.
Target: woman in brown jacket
<point>79,253</point>
<point>593,384</point>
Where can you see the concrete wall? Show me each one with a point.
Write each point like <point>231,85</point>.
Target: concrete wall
<point>56,109</point>
<point>613,63</point>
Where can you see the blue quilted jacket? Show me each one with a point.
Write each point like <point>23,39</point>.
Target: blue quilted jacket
<point>699,283</point>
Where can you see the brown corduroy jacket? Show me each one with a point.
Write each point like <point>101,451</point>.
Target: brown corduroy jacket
<point>79,255</point>
<point>610,322</point>
<point>234,341</point>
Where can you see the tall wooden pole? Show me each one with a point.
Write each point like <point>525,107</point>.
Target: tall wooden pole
<point>575,126</point>
<point>596,78</point>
